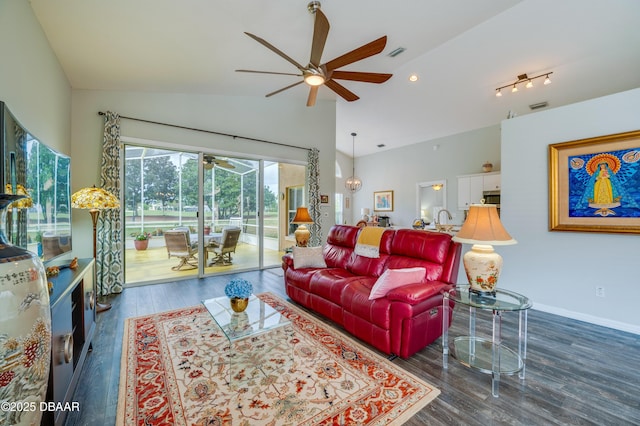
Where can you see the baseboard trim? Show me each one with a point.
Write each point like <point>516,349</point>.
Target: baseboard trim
<point>617,325</point>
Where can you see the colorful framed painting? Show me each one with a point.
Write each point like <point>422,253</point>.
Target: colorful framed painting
<point>383,201</point>
<point>594,184</point>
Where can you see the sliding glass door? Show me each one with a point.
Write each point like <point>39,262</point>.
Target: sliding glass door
<point>160,195</point>
<point>190,214</point>
<point>230,204</point>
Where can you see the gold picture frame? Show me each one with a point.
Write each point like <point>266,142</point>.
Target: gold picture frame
<point>383,201</point>
<point>594,184</point>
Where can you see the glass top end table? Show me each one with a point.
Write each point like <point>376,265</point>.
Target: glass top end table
<point>483,354</point>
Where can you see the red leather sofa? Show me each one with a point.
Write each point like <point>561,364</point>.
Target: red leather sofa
<point>404,321</point>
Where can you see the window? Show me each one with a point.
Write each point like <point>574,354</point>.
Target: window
<point>339,208</point>
<point>295,199</point>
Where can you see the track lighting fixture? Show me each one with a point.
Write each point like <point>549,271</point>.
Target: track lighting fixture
<point>522,78</point>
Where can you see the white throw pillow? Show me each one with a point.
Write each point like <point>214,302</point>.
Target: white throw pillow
<point>393,278</point>
<point>308,257</point>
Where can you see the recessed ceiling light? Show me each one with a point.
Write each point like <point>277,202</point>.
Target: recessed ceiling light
<point>413,77</point>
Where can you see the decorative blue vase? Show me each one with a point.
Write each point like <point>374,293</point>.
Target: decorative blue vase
<point>25,329</point>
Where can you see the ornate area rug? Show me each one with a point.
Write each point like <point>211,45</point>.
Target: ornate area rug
<point>175,371</point>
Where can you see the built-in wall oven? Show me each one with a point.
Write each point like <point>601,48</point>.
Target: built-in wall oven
<point>492,197</point>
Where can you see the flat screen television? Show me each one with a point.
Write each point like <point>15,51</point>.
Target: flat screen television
<point>28,164</point>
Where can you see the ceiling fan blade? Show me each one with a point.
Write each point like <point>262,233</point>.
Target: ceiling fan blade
<point>341,90</point>
<point>275,49</point>
<point>313,94</point>
<point>367,77</point>
<point>320,33</point>
<point>284,88</point>
<point>224,164</point>
<point>270,72</point>
<point>369,49</point>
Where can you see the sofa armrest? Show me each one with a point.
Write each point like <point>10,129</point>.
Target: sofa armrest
<point>419,292</point>
<point>287,261</point>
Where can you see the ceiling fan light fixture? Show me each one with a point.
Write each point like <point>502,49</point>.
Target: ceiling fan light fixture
<point>314,79</point>
<point>317,73</point>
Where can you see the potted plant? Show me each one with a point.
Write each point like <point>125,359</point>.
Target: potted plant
<point>238,291</point>
<point>141,240</point>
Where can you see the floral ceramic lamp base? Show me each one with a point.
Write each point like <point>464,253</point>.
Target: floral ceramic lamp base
<point>482,265</point>
<point>302,235</point>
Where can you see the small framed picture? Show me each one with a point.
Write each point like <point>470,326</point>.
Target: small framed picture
<point>324,199</point>
<point>383,201</point>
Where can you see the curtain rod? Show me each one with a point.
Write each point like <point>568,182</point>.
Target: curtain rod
<point>209,131</point>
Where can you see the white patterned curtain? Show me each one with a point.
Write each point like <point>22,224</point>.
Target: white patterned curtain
<point>313,183</point>
<point>109,272</point>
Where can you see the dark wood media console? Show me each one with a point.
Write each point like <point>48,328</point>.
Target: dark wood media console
<point>73,322</point>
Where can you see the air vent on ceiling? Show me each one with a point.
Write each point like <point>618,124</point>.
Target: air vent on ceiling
<point>396,52</point>
<point>381,145</point>
<point>539,105</point>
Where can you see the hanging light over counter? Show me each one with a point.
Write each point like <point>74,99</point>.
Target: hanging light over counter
<point>353,183</point>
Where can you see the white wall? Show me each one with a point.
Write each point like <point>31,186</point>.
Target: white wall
<point>559,271</point>
<point>439,159</point>
<point>273,119</point>
<point>32,82</point>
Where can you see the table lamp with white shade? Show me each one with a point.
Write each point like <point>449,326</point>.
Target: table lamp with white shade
<point>482,264</point>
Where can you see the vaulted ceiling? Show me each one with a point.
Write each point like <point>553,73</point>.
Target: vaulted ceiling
<point>460,50</point>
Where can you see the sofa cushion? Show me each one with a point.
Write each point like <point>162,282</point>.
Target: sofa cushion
<point>372,267</point>
<point>340,245</point>
<point>300,278</point>
<point>426,249</point>
<point>393,278</point>
<point>308,257</point>
<point>328,283</point>
<point>355,301</point>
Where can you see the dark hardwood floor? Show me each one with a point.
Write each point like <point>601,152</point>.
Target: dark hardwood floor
<point>577,373</point>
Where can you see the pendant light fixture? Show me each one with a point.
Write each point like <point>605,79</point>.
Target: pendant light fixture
<point>353,183</point>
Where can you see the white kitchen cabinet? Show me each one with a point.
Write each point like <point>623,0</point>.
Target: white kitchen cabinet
<point>491,182</point>
<point>471,187</point>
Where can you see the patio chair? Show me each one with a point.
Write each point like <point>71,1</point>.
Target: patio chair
<point>193,238</point>
<point>178,245</point>
<point>222,250</point>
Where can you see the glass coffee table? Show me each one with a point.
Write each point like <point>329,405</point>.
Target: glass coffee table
<point>249,344</point>
<point>487,355</point>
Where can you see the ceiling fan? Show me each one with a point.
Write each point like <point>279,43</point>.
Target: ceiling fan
<point>209,161</point>
<point>316,74</point>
